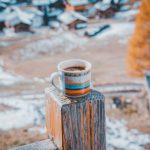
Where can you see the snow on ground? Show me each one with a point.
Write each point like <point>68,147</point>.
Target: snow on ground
<point>126,15</point>
<point>66,41</point>
<point>10,32</point>
<point>30,111</point>
<point>23,113</point>
<point>122,30</point>
<point>4,44</point>
<point>7,78</point>
<point>119,137</point>
<point>62,42</point>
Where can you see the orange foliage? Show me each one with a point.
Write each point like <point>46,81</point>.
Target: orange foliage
<point>139,48</point>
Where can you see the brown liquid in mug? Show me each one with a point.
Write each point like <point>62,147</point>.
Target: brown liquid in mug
<point>75,68</point>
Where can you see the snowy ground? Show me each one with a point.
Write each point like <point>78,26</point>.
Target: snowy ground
<point>61,42</point>
<point>30,111</point>
<point>122,30</point>
<point>67,41</point>
<point>22,113</point>
<point>119,137</point>
<point>27,108</point>
<point>8,78</point>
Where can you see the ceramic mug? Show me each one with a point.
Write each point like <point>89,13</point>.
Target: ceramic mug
<point>74,77</point>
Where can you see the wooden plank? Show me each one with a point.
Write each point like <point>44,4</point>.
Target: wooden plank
<point>120,87</point>
<point>42,145</point>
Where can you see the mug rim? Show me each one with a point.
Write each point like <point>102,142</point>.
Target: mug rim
<point>88,66</point>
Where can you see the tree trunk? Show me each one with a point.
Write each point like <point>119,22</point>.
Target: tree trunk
<point>138,60</point>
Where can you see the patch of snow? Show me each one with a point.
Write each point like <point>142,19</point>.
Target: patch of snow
<point>119,137</point>
<point>26,112</point>
<point>125,8</point>
<point>40,3</point>
<point>41,130</point>
<point>79,16</point>
<point>37,21</point>
<point>126,15</point>
<point>9,32</point>
<point>103,6</point>
<point>33,96</point>
<point>123,1</point>
<point>7,78</point>
<point>39,80</point>
<point>117,29</point>
<point>24,95</point>
<point>64,42</point>
<point>137,4</point>
<point>78,2</point>
<point>4,44</point>
<point>54,24</point>
<point>70,16</point>
<point>25,18</point>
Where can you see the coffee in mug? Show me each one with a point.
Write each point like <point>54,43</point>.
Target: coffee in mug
<point>75,68</point>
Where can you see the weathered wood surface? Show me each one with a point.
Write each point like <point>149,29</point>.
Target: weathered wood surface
<point>76,124</point>
<point>42,145</point>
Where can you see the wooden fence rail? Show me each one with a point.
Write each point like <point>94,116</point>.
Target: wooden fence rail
<point>42,145</point>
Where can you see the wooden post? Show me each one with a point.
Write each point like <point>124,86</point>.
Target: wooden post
<point>76,123</point>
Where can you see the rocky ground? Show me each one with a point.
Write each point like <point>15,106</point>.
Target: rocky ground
<point>27,60</point>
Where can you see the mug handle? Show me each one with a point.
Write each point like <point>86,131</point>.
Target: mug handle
<point>52,78</point>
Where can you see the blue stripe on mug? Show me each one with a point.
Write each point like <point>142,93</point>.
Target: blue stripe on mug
<point>77,86</point>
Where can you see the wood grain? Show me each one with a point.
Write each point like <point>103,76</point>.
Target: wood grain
<point>76,123</point>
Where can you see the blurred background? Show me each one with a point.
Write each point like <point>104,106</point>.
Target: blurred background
<point>35,35</point>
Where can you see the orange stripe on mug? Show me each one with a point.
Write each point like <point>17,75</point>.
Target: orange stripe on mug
<point>77,92</point>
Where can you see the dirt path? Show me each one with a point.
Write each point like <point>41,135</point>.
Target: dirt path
<point>108,57</point>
